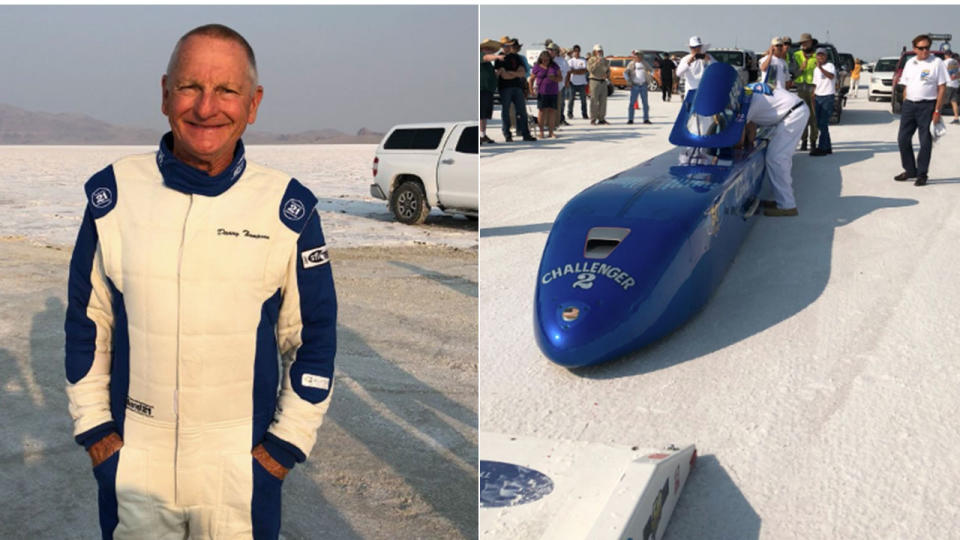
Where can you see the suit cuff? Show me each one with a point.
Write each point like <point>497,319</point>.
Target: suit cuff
<point>93,436</point>
<point>285,453</point>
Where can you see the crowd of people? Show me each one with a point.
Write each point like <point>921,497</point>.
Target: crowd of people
<point>560,75</point>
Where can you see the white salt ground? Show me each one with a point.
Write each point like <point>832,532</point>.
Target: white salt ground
<point>41,191</point>
<point>820,381</point>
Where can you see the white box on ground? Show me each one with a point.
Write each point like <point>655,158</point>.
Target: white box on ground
<point>535,488</point>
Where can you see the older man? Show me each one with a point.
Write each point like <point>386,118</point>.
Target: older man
<point>924,78</point>
<point>598,69</point>
<point>805,60</point>
<point>773,67</point>
<point>692,66</point>
<point>193,271</point>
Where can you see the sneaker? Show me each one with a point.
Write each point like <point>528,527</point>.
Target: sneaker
<point>593,122</point>
<point>921,180</point>
<point>529,138</point>
<point>604,122</point>
<point>955,121</point>
<point>904,176</point>
<point>629,121</point>
<point>647,122</point>
<point>781,212</point>
<point>508,137</point>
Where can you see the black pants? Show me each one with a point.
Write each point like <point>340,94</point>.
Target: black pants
<point>666,88</point>
<point>914,116</point>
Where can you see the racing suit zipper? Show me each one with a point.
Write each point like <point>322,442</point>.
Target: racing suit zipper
<point>176,389</point>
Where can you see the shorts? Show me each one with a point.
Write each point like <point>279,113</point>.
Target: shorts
<point>546,101</point>
<point>486,104</point>
<point>950,95</point>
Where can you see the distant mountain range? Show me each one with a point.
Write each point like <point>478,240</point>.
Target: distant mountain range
<point>19,126</point>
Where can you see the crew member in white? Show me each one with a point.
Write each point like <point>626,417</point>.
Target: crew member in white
<point>787,114</point>
<point>692,65</point>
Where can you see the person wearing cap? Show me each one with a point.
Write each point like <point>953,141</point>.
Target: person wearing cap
<point>578,82</point>
<point>925,79</point>
<point>691,66</point>
<point>787,114</point>
<point>773,67</point>
<point>488,84</point>
<point>637,74</point>
<point>806,62</point>
<point>561,62</point>
<point>598,70</point>
<point>824,92</point>
<point>511,74</point>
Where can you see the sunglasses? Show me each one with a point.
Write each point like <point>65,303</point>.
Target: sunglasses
<point>927,48</point>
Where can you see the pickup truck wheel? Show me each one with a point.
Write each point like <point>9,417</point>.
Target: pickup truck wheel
<point>409,204</point>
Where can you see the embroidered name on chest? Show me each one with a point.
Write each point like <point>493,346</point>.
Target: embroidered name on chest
<point>245,233</point>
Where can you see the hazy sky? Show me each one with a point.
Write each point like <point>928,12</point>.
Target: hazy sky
<point>320,66</point>
<point>866,31</point>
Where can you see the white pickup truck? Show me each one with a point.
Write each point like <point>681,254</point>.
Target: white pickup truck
<point>423,166</point>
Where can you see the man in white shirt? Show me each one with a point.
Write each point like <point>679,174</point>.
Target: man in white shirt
<point>637,74</point>
<point>824,90</point>
<point>691,66</point>
<point>773,67</point>
<point>578,82</point>
<point>924,78</point>
<point>788,114</point>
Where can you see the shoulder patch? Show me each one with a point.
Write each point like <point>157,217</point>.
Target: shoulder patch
<point>101,190</point>
<point>296,205</point>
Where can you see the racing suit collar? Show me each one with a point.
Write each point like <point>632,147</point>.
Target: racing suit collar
<point>186,179</point>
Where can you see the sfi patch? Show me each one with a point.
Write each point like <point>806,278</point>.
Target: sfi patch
<point>315,381</point>
<point>314,257</point>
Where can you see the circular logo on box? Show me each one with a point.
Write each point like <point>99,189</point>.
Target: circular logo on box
<point>293,209</point>
<point>101,197</point>
<point>506,484</point>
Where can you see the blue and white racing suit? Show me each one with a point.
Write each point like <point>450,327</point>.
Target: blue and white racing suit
<point>201,322</point>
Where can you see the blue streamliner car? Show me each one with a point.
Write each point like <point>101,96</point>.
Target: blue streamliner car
<point>634,256</point>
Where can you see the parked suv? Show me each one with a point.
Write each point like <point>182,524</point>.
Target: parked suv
<point>896,100</point>
<point>743,61</point>
<point>419,166</point>
<point>841,82</point>
<point>881,80</point>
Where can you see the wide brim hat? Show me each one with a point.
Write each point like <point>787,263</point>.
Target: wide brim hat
<point>598,47</point>
<point>807,37</point>
<point>695,41</point>
<point>490,43</point>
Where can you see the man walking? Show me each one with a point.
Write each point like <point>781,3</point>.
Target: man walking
<point>598,69</point>
<point>806,61</point>
<point>925,79</point>
<point>824,92</point>
<point>578,82</point>
<point>637,74</point>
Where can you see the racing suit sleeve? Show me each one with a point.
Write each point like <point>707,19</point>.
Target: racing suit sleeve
<point>88,328</point>
<point>307,338</point>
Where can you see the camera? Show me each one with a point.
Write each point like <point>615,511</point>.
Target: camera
<point>700,56</point>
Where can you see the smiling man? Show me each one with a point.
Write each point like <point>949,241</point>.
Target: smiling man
<point>201,323</point>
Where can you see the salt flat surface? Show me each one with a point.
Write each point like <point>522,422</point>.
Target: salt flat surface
<point>819,383</point>
<point>41,193</point>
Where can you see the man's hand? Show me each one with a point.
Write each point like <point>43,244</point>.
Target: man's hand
<point>267,462</point>
<point>101,450</point>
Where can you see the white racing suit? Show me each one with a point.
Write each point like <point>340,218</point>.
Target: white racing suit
<point>201,322</point>
<point>789,115</point>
